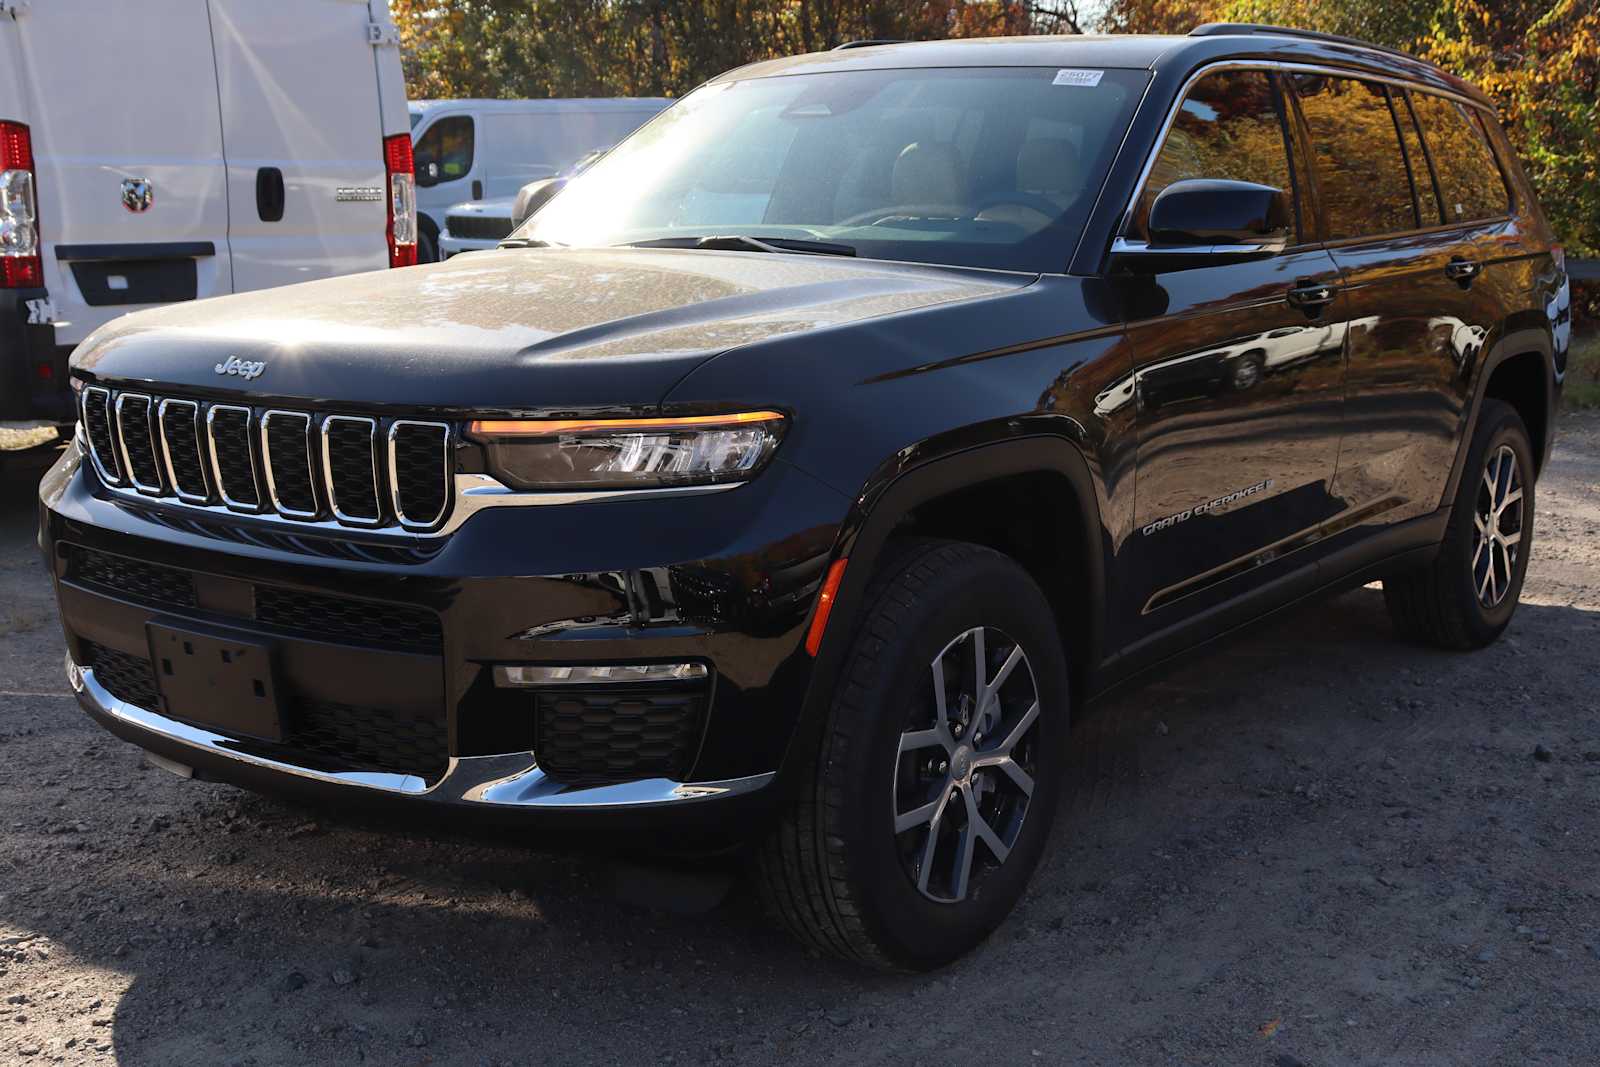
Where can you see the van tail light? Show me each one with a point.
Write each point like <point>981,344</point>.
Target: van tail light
<point>402,200</point>
<point>20,265</point>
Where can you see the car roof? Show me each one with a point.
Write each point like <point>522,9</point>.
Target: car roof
<point>1154,52</point>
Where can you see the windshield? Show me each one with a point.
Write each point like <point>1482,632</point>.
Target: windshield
<point>978,166</point>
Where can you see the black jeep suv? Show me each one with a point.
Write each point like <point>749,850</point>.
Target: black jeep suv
<point>794,475</point>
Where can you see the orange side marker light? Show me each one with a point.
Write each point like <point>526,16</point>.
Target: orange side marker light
<point>819,621</point>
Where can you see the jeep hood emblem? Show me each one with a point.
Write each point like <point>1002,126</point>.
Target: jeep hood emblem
<point>243,368</point>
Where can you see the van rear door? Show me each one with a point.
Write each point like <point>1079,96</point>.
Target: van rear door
<point>127,148</point>
<point>303,135</point>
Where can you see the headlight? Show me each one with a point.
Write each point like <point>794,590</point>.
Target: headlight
<point>629,453</point>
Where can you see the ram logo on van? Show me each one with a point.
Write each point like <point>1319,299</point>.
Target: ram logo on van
<point>243,368</point>
<point>138,194</point>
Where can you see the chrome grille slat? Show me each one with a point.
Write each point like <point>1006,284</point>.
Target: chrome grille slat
<point>319,470</point>
<point>350,469</point>
<point>97,427</point>
<point>286,449</point>
<point>138,443</point>
<point>183,450</point>
<point>420,501</point>
<point>233,456</point>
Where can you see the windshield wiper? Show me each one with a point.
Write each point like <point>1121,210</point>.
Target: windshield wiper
<point>739,242</point>
<point>523,242</point>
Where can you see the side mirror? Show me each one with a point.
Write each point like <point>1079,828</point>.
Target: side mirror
<point>532,197</point>
<point>1213,220</point>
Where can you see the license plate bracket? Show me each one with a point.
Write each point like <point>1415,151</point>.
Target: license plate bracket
<point>217,679</point>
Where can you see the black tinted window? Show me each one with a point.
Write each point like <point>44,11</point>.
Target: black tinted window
<point>445,151</point>
<point>1229,126</point>
<point>1469,178</point>
<point>1360,171</point>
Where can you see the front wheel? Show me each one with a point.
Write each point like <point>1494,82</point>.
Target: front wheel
<point>928,803</point>
<point>1465,598</point>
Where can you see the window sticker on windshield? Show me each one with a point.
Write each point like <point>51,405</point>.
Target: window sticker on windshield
<point>1069,76</point>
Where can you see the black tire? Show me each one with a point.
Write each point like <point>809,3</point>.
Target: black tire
<point>835,871</point>
<point>1441,604</point>
<point>427,245</point>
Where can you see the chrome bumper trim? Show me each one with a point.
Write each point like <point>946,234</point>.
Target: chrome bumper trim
<point>511,781</point>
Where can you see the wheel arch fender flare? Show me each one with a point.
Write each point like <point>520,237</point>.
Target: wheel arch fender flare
<point>933,469</point>
<point>1513,339</point>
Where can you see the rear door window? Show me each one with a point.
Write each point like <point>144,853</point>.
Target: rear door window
<point>1469,177</point>
<point>445,152</point>
<point>1422,178</point>
<point>1361,172</point>
<point>1230,126</point>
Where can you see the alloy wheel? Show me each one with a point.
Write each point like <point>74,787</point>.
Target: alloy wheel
<point>964,773</point>
<point>1497,527</point>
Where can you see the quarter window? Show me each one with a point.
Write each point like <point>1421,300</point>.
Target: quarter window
<point>1361,174</point>
<point>1230,126</point>
<point>445,152</point>
<point>1469,178</point>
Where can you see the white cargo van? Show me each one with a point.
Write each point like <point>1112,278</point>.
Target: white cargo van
<point>176,149</point>
<point>484,149</point>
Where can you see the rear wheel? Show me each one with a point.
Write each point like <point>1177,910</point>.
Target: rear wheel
<point>928,803</point>
<point>1465,598</point>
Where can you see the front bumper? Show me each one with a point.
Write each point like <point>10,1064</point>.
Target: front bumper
<point>580,584</point>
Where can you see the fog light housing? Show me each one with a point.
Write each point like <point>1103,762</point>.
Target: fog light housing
<point>527,676</point>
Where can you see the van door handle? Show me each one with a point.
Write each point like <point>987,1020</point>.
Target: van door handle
<point>269,194</point>
<point>1462,270</point>
<point>477,189</point>
<point>1311,296</point>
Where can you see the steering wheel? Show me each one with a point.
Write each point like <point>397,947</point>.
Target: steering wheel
<point>1035,202</point>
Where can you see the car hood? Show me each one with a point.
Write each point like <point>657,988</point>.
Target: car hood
<point>514,330</point>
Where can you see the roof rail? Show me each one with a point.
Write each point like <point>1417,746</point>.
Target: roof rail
<point>1221,29</point>
<point>866,44</point>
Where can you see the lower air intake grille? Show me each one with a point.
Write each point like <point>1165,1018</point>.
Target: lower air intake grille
<point>128,678</point>
<point>618,735</point>
<point>419,451</point>
<point>369,738</point>
<point>130,579</point>
<point>97,424</point>
<point>335,737</point>
<point>364,620</point>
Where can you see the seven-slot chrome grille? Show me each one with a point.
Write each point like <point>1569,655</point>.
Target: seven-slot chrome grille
<point>305,466</point>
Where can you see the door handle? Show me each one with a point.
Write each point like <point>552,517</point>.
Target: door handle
<point>1462,270</point>
<point>1311,296</point>
<point>269,194</point>
<point>477,189</point>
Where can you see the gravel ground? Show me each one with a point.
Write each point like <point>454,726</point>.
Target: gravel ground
<point>1307,845</point>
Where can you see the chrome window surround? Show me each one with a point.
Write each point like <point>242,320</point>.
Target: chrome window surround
<point>94,450</point>
<point>266,461</point>
<point>122,443</point>
<point>216,467</point>
<point>327,470</point>
<point>394,467</point>
<point>1122,243</point>
<point>200,450</point>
